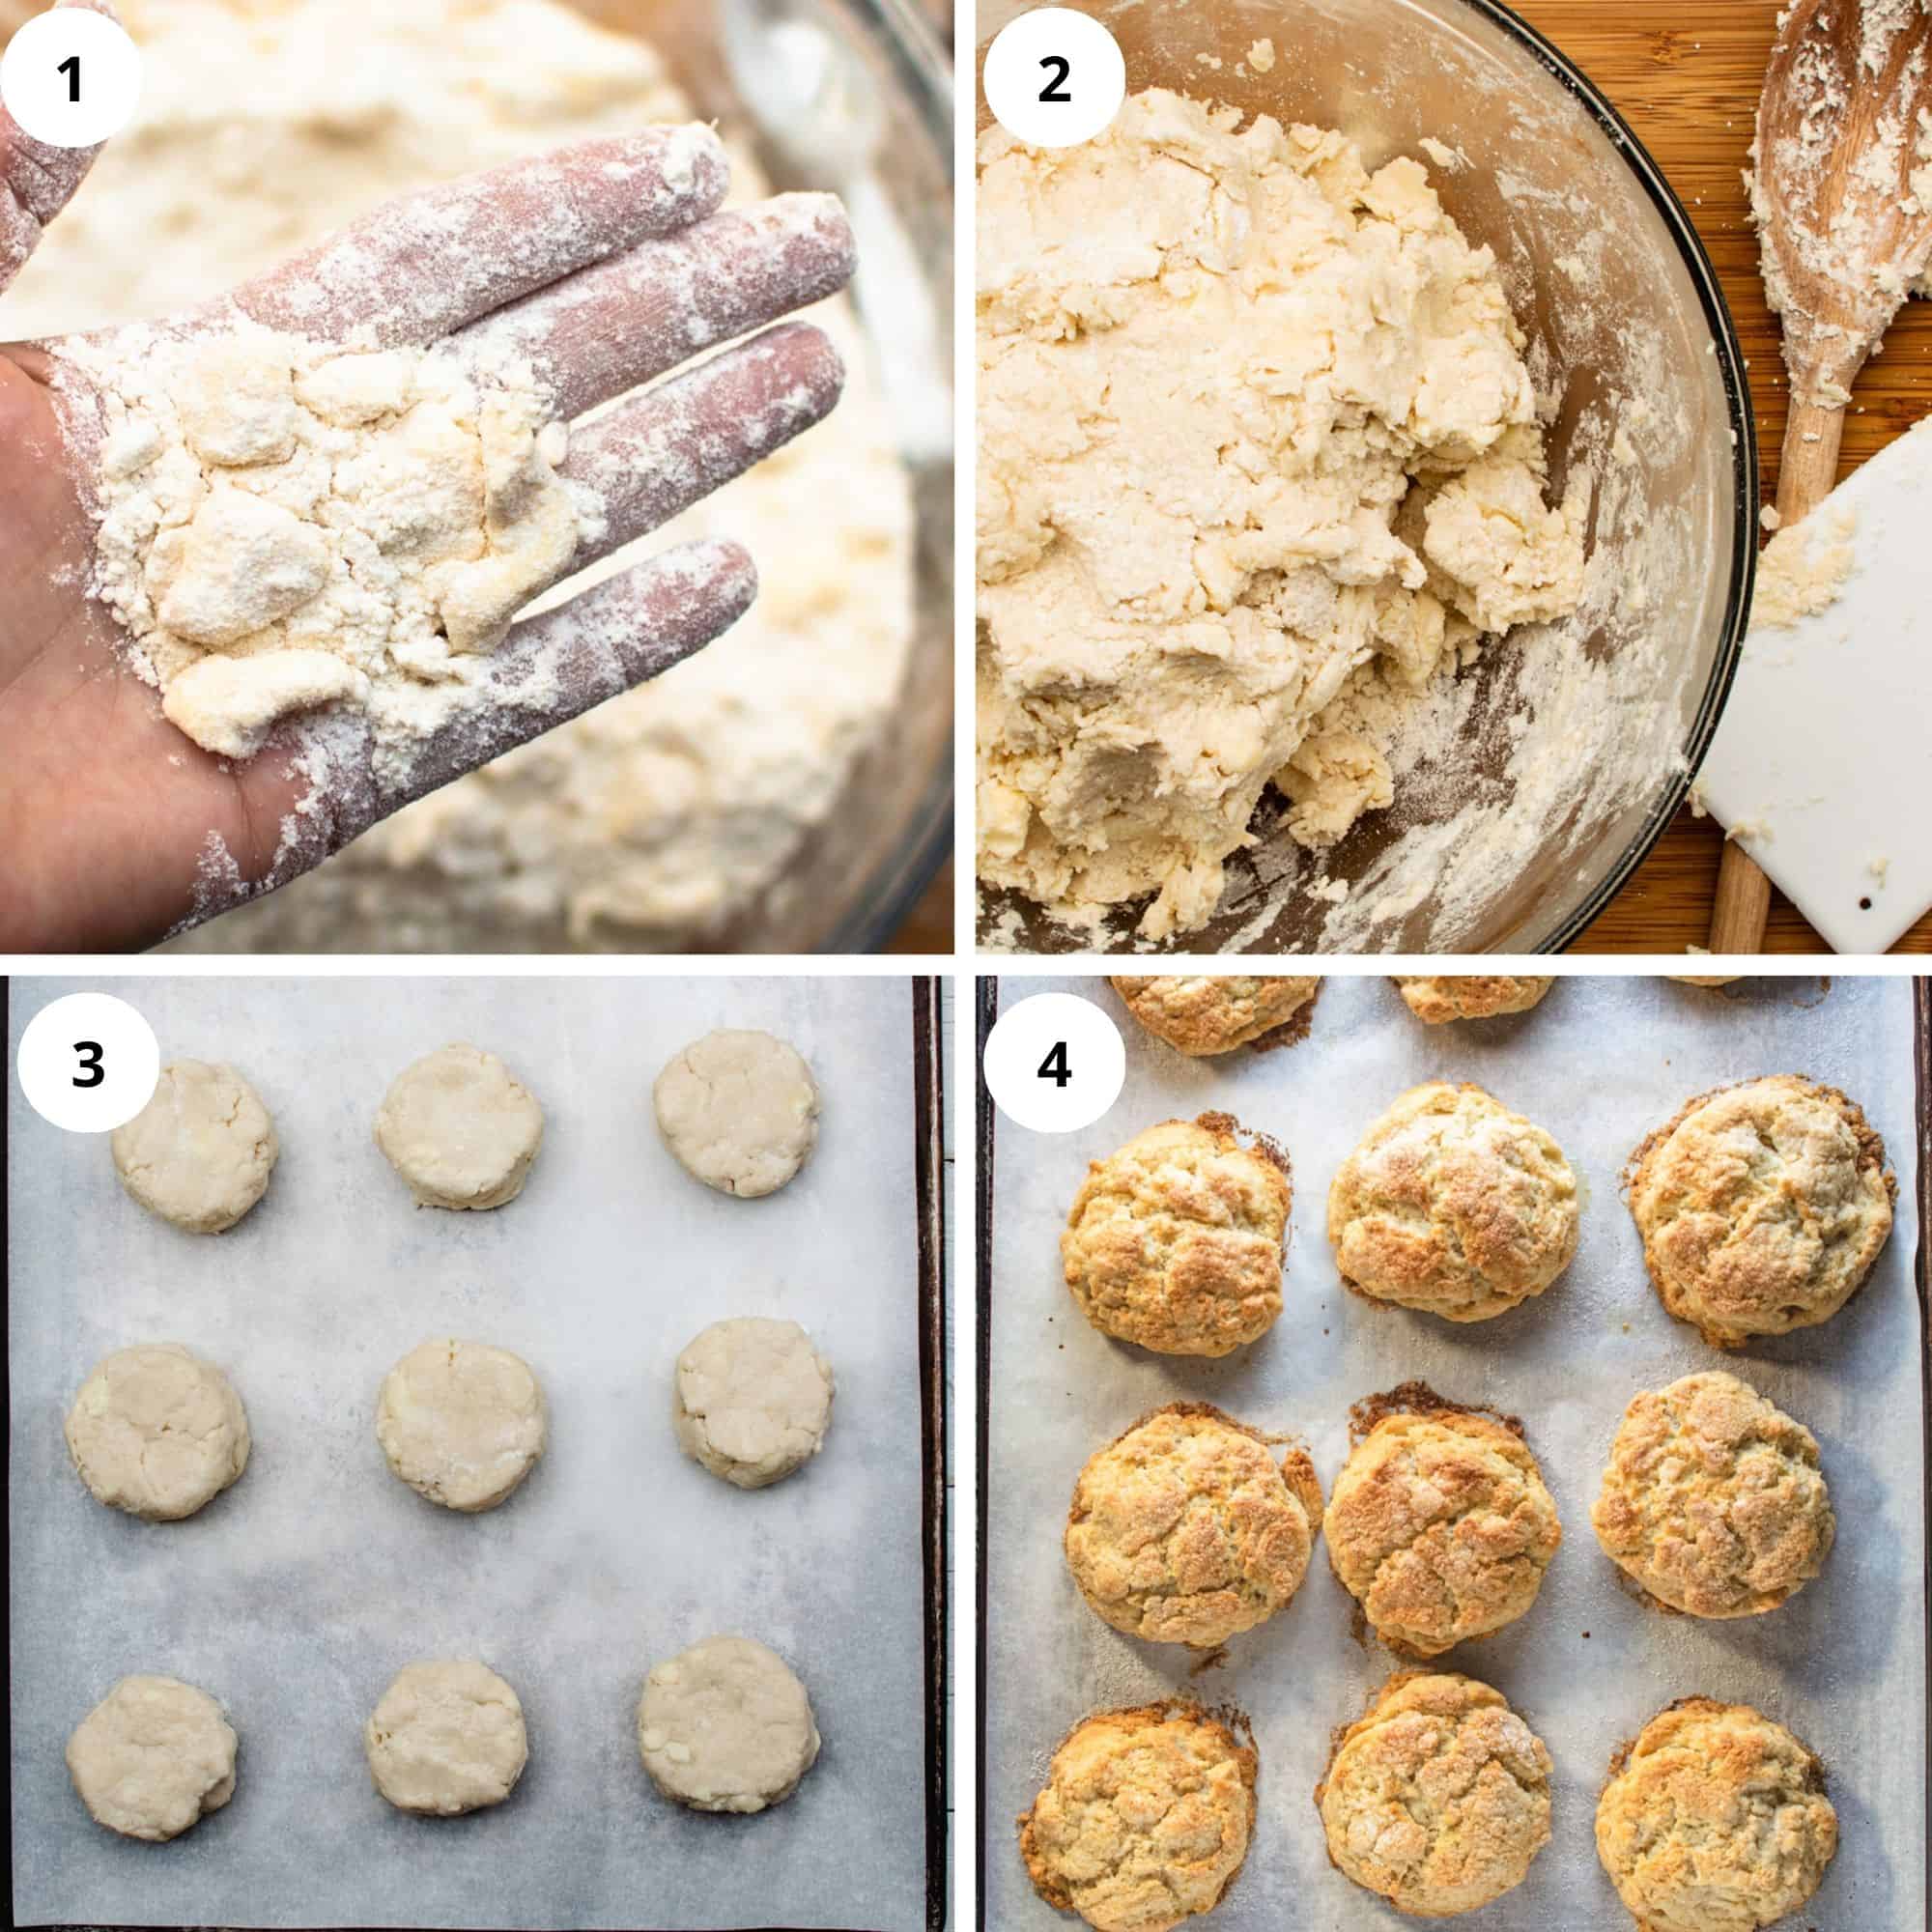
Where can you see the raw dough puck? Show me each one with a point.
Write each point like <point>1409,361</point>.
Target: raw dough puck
<point>1187,1530</point>
<point>461,1423</point>
<point>447,1738</point>
<point>1144,1820</point>
<point>751,1400</point>
<point>1453,1205</point>
<point>157,1431</point>
<point>1174,1242</point>
<point>153,1757</point>
<point>1440,1526</point>
<point>1715,1820</point>
<point>739,1110</point>
<point>200,1152</point>
<point>725,1726</point>
<point>1714,1499</point>
<point>460,1129</point>
<point>1438,1799</point>
<point>1762,1207</point>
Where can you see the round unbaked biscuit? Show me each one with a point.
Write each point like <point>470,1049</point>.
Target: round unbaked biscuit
<point>1440,1525</point>
<point>725,1726</point>
<point>446,1738</point>
<point>201,1151</point>
<point>1187,1530</point>
<point>1453,1205</point>
<point>461,1423</point>
<point>459,1129</point>
<point>1714,1499</point>
<point>157,1431</point>
<point>1437,1798</point>
<point>1145,1818</point>
<point>751,1400</point>
<point>1197,1014</point>
<point>152,1758</point>
<point>1762,1207</point>
<point>1435,999</point>
<point>1176,1241</point>
<point>739,1110</point>
<point>1715,1819</point>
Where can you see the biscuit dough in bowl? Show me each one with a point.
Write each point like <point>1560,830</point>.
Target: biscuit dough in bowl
<point>1259,461</point>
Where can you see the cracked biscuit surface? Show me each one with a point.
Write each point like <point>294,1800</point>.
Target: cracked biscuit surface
<point>1712,1498</point>
<point>157,1431</point>
<point>1435,999</point>
<point>152,1758</point>
<point>1197,1014</point>
<point>1715,1819</point>
<point>1175,1240</point>
<point>461,1423</point>
<point>1437,1798</point>
<point>1187,1530</point>
<point>1145,1818</point>
<point>201,1151</point>
<point>1440,1525</point>
<point>1762,1207</point>
<point>447,1738</point>
<point>1453,1205</point>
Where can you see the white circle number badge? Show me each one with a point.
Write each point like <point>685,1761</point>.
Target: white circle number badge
<point>70,77</point>
<point>88,1063</point>
<point>1055,76</point>
<point>1054,1062</point>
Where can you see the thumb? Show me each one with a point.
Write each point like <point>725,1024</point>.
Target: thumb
<point>36,180</point>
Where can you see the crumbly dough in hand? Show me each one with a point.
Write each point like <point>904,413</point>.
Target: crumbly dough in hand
<point>200,1152</point>
<point>1762,1207</point>
<point>1435,999</point>
<point>1437,1798</point>
<point>459,1129</point>
<point>1176,1241</point>
<point>1145,1818</point>
<point>1453,1205</point>
<point>1440,1526</point>
<point>157,1431</point>
<point>447,1738</point>
<point>1187,1530</point>
<point>725,1726</point>
<point>461,1423</point>
<point>1712,1498</point>
<point>153,1757</point>
<point>1259,464</point>
<point>751,1400</point>
<point>1198,1014</point>
<point>1715,1820</point>
<point>740,1111</point>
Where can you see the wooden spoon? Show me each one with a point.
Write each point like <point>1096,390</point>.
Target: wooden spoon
<point>1843,127</point>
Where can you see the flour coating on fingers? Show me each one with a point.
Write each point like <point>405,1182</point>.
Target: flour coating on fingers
<point>725,1726</point>
<point>201,1151</point>
<point>751,1400</point>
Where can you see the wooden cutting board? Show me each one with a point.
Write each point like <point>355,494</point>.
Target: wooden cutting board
<point>1691,92</point>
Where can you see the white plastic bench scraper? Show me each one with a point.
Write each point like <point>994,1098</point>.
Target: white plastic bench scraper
<point>1822,764</point>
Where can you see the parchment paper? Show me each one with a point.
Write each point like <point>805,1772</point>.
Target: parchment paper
<point>1598,1063</point>
<point>296,1596</point>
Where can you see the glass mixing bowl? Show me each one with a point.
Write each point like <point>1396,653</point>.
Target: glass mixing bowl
<point>1515,837</point>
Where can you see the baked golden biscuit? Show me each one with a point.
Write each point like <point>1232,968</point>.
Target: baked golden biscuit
<point>1187,1530</point>
<point>1437,998</point>
<point>1715,1820</point>
<point>1705,978</point>
<point>1176,1241</point>
<point>1199,1015</point>
<point>1453,1205</point>
<point>1438,1799</point>
<point>1762,1207</point>
<point>1145,1818</point>
<point>1714,1499</point>
<point>1440,1528</point>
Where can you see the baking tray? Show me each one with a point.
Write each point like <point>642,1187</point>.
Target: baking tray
<point>1844,1663</point>
<point>598,1274</point>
